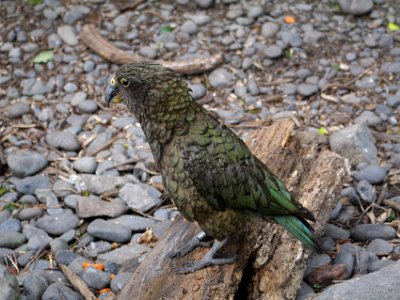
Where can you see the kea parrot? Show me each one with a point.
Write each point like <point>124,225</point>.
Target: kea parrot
<point>207,170</point>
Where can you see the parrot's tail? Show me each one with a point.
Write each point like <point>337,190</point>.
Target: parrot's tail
<point>301,230</point>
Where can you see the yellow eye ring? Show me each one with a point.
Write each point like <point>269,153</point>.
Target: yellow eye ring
<point>124,82</point>
<point>112,81</point>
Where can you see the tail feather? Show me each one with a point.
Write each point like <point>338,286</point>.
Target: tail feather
<point>300,230</point>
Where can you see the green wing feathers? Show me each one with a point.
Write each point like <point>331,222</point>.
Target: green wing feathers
<point>300,229</point>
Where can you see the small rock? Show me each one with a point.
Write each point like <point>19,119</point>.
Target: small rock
<point>60,291</point>
<point>58,224</point>
<point>119,281</point>
<point>303,293</point>
<point>9,285</point>
<point>34,286</point>
<point>380,247</point>
<point>25,163</point>
<point>88,207</point>
<point>380,264</point>
<point>64,140</point>
<point>28,213</point>
<point>366,191</point>
<point>37,238</point>
<point>97,184</point>
<point>369,118</point>
<point>367,232</point>
<point>189,27</point>
<point>18,110</point>
<point>11,225</point>
<point>374,174</point>
<point>134,223</point>
<point>68,35</point>
<point>11,239</point>
<point>109,231</point>
<point>316,261</point>
<point>198,91</point>
<point>204,3</point>
<point>336,232</point>
<point>347,259</point>
<point>94,249</point>
<point>95,278</point>
<point>29,185</point>
<point>88,107</point>
<point>273,51</point>
<point>138,197</point>
<point>220,78</point>
<point>62,188</point>
<point>306,89</point>
<point>123,256</point>
<point>355,143</point>
<point>356,7</point>
<point>65,257</point>
<point>85,164</point>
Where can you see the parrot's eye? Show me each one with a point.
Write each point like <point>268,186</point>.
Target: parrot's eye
<point>124,82</point>
<point>112,81</point>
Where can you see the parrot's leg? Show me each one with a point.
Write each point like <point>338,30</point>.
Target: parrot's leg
<point>208,259</point>
<point>196,241</point>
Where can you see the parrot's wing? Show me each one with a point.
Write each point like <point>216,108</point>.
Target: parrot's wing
<point>227,175</point>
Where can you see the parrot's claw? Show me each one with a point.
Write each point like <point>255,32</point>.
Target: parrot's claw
<point>195,242</point>
<point>207,260</point>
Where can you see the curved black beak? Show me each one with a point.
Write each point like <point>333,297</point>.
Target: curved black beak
<point>110,93</point>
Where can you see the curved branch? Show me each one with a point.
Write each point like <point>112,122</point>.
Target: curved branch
<point>91,38</point>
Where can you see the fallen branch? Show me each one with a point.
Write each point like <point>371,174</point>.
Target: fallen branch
<point>91,38</point>
<point>77,283</point>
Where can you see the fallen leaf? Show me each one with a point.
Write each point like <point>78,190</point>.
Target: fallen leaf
<point>289,19</point>
<point>43,57</point>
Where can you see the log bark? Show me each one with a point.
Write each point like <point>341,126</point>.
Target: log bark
<point>270,263</point>
<point>92,38</point>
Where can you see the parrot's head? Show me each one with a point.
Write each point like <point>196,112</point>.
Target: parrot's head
<point>141,84</point>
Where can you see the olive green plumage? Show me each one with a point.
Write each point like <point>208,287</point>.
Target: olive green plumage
<point>208,171</point>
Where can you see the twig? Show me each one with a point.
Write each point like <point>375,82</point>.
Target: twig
<point>382,136</point>
<point>98,44</point>
<point>110,142</point>
<point>392,204</point>
<point>347,84</point>
<point>77,283</point>
<point>132,6</point>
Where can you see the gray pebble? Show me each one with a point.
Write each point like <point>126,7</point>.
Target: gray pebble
<point>189,27</point>
<point>34,286</point>
<point>306,89</point>
<point>70,87</point>
<point>203,3</point>
<point>356,7</point>
<point>148,51</point>
<point>198,91</point>
<point>273,51</point>
<point>64,257</point>
<point>138,197</point>
<point>355,143</point>
<point>78,98</point>
<point>29,185</point>
<point>58,224</point>
<point>379,264</point>
<point>220,78</point>
<point>336,232</point>
<point>134,223</point>
<point>369,118</point>
<point>316,261</point>
<point>37,238</point>
<point>109,231</point>
<point>60,291</point>
<point>28,213</point>
<point>88,106</point>
<point>374,174</point>
<point>68,35</point>
<point>62,188</point>
<point>124,256</point>
<point>96,248</point>
<point>11,239</point>
<point>367,232</point>
<point>366,191</point>
<point>25,163</point>
<point>11,225</point>
<point>64,140</point>
<point>18,110</point>
<point>346,258</point>
<point>95,278</point>
<point>85,164</point>
<point>54,41</point>
<point>379,247</point>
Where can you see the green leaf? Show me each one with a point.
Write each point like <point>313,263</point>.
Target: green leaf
<point>35,2</point>
<point>391,217</point>
<point>3,190</point>
<point>166,29</point>
<point>43,57</point>
<point>10,207</point>
<point>85,193</point>
<point>393,27</point>
<point>322,131</point>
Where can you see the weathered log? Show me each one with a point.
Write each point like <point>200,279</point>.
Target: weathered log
<point>270,263</point>
<point>101,46</point>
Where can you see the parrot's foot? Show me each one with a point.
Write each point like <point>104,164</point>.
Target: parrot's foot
<point>196,241</point>
<point>207,260</point>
